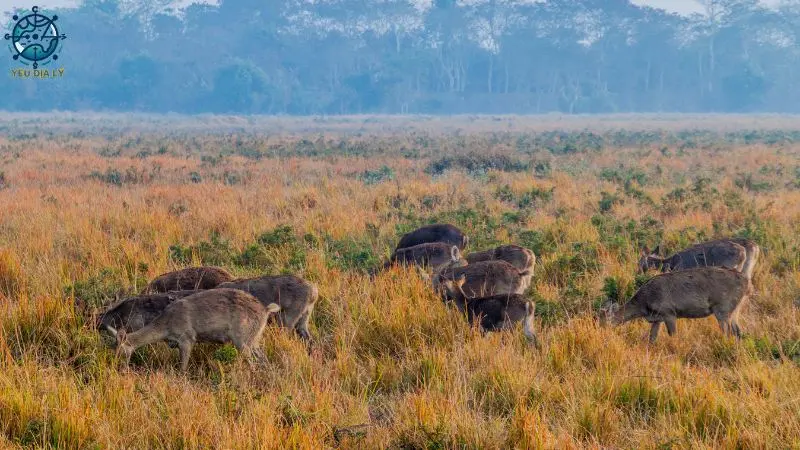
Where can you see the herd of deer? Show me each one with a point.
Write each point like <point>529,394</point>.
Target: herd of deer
<point>205,304</point>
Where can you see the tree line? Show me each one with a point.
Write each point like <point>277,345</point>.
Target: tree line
<point>401,56</point>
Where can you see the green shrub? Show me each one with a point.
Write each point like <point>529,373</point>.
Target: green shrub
<point>475,163</point>
<point>538,241</point>
<point>377,176</point>
<point>275,251</point>
<point>350,254</point>
<point>99,289</point>
<point>216,251</point>
<point>535,197</point>
<point>607,201</point>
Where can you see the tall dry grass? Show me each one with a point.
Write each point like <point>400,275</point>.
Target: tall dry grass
<point>86,218</point>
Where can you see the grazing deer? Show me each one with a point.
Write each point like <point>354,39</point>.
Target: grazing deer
<point>216,315</point>
<point>434,255</point>
<point>133,313</point>
<point>691,294</point>
<point>485,278</point>
<point>519,257</point>
<point>494,312</point>
<point>446,233</point>
<point>295,296</point>
<point>206,277</point>
<point>735,253</point>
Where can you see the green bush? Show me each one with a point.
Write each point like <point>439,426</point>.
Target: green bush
<point>275,251</point>
<point>475,163</point>
<point>216,251</point>
<point>377,176</point>
<point>350,254</point>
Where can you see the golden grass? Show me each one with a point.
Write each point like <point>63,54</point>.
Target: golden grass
<point>388,354</point>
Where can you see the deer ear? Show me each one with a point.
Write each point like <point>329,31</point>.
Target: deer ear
<point>657,250</point>
<point>455,254</point>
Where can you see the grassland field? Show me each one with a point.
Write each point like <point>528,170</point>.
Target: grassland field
<point>94,206</point>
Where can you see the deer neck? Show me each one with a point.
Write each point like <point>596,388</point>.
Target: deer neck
<point>144,336</point>
<point>628,311</point>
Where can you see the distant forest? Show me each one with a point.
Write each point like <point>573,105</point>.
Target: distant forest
<point>303,57</point>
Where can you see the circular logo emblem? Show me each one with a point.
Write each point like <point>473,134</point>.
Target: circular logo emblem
<point>35,38</point>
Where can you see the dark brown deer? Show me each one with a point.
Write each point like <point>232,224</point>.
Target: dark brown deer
<point>494,312</point>
<point>433,255</point>
<point>440,232</point>
<point>206,277</point>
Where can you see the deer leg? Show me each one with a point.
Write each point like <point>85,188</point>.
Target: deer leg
<point>506,324</point>
<point>736,330</point>
<point>255,357</point>
<point>127,352</point>
<point>247,352</point>
<point>259,356</point>
<point>654,327</point>
<point>252,352</point>
<point>671,326</point>
<point>301,328</point>
<point>734,317</point>
<point>724,324</point>
<point>185,348</point>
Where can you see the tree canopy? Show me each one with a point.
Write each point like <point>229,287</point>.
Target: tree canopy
<point>400,56</point>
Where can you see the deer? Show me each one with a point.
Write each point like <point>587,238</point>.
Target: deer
<point>215,315</point>
<point>204,277</point>
<point>434,255</point>
<point>692,294</point>
<point>735,253</point>
<point>133,313</point>
<point>519,257</point>
<point>295,296</point>
<point>484,278</point>
<point>493,312</point>
<point>440,232</point>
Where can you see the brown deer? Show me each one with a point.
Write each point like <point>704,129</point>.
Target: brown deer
<point>735,253</point>
<point>133,313</point>
<point>295,296</point>
<point>691,293</point>
<point>216,315</point>
<point>440,232</point>
<point>206,277</point>
<point>517,256</point>
<point>433,255</point>
<point>485,278</point>
<point>493,312</point>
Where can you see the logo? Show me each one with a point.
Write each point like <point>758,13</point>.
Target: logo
<point>35,39</point>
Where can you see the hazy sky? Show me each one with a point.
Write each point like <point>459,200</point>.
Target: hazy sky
<point>681,6</point>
